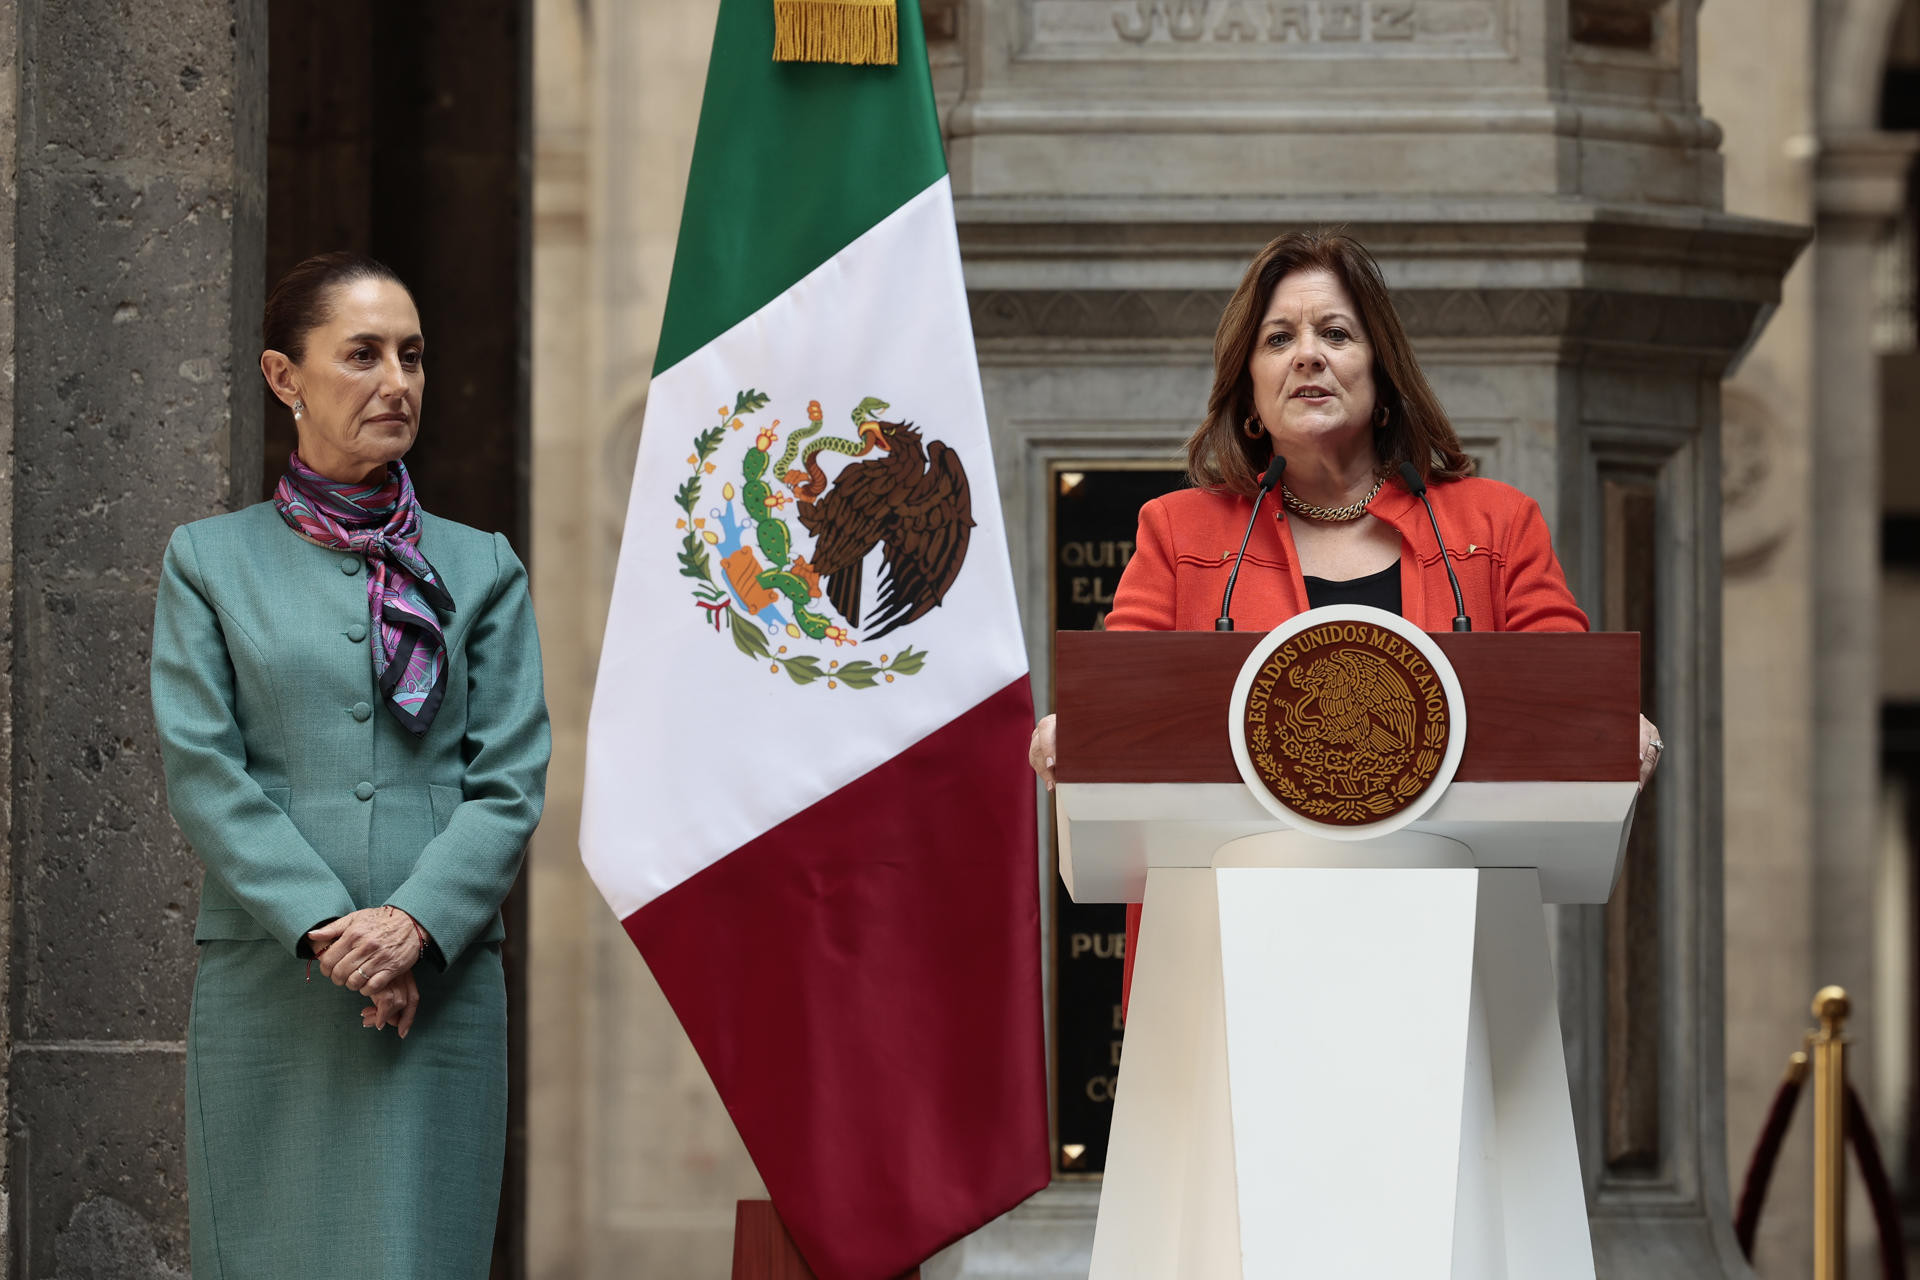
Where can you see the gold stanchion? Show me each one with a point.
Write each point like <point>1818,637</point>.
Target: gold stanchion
<point>1830,1136</point>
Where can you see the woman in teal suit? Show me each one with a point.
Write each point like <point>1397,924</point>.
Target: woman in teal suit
<point>348,694</point>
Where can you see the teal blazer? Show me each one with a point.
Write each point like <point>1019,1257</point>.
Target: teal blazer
<point>303,796</point>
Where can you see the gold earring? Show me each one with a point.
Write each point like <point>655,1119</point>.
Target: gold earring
<point>1251,427</point>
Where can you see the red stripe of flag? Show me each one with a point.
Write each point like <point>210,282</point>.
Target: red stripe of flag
<point>863,985</point>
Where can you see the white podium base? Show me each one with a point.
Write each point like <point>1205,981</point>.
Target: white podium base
<point>1342,1073</point>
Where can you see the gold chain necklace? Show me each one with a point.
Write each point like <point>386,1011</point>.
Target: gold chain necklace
<point>1352,511</point>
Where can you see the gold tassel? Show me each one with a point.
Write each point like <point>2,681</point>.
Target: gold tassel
<point>856,31</point>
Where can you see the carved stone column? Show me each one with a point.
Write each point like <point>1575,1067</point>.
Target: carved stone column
<point>139,211</point>
<point>1544,196</point>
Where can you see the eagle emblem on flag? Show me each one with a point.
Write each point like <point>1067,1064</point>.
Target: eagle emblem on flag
<point>781,560</point>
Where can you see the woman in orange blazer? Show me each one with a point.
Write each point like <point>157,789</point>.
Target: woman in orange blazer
<point>1311,363</point>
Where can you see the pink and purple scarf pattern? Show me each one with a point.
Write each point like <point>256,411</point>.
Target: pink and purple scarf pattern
<point>405,596</point>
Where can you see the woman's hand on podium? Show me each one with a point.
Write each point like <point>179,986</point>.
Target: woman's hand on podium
<point>1651,749</point>
<point>1040,751</point>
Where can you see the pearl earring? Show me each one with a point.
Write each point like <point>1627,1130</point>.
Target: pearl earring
<point>299,407</point>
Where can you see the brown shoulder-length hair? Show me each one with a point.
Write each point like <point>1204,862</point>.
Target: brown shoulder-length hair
<point>1219,453</point>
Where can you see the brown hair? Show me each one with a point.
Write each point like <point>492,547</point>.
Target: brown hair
<point>303,300</point>
<point>1219,453</point>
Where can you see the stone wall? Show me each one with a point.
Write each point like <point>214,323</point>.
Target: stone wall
<point>140,169</point>
<point>9,153</point>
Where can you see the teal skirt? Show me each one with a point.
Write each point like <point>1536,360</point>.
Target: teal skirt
<point>319,1148</point>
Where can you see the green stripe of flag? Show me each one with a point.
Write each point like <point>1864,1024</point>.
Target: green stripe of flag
<point>792,162</point>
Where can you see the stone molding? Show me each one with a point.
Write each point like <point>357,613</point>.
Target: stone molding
<point>1647,126</point>
<point>1860,178</point>
<point>1490,233</point>
<point>1696,326</point>
<point>1269,28</point>
<point>1660,283</point>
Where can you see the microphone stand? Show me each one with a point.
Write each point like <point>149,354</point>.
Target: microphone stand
<point>1274,469</point>
<point>1410,476</point>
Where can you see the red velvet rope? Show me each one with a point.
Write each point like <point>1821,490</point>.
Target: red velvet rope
<point>1766,1152</point>
<point>1866,1152</point>
<point>1873,1171</point>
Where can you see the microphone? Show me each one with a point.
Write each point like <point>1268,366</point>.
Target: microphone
<point>1279,464</point>
<point>1410,476</point>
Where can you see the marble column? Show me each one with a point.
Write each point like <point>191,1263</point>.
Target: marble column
<point>140,160</point>
<point>1545,197</point>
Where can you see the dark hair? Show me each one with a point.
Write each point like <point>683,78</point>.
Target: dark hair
<point>303,300</point>
<point>1219,453</point>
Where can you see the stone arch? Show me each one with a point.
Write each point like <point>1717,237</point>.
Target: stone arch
<point>1857,39</point>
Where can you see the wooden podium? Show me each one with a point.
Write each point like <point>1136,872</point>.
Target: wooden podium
<point>1343,1055</point>
<point>762,1249</point>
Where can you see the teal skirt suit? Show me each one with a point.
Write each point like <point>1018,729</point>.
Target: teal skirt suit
<point>316,1147</point>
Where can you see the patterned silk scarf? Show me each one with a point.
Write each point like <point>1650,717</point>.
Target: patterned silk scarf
<point>404,594</point>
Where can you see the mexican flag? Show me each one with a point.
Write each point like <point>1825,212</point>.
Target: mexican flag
<point>807,796</point>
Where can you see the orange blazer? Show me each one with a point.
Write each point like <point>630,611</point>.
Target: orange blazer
<point>1496,538</point>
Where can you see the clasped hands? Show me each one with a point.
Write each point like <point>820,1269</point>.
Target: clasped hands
<point>373,951</point>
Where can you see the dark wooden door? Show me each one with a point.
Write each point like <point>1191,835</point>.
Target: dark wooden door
<point>402,129</point>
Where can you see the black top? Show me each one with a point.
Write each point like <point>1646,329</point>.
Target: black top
<point>1381,590</point>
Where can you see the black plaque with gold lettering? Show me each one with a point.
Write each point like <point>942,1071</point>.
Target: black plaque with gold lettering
<point>1095,514</point>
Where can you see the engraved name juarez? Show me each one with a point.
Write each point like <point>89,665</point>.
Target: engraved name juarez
<point>1346,723</point>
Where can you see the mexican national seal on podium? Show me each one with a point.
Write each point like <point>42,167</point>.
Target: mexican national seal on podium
<point>1347,722</point>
